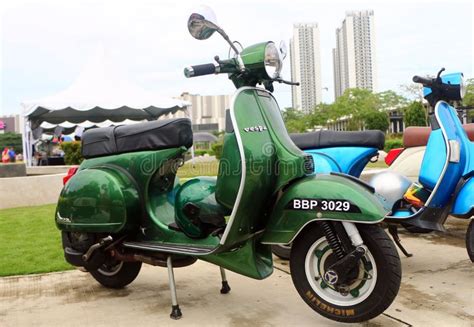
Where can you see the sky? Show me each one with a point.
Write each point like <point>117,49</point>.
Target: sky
<point>45,44</point>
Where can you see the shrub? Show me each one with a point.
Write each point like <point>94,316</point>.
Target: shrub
<point>393,143</point>
<point>198,153</point>
<point>11,139</point>
<point>217,149</point>
<point>72,153</point>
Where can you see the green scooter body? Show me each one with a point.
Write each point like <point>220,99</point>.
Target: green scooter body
<point>260,172</point>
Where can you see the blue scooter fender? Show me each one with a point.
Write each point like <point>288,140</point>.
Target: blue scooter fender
<point>463,206</point>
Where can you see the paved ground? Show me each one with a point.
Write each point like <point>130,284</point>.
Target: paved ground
<point>437,290</point>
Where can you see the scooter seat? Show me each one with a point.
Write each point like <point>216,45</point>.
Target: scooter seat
<point>414,136</point>
<point>153,135</point>
<point>328,139</point>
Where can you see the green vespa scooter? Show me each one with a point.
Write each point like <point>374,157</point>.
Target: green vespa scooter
<point>124,205</point>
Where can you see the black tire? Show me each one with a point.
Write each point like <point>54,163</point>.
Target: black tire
<point>377,298</point>
<point>416,229</point>
<point>117,274</point>
<point>282,251</point>
<point>470,240</point>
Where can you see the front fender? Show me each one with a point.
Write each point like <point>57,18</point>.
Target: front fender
<point>322,197</point>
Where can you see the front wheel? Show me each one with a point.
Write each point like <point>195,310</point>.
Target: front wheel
<point>373,284</point>
<point>116,274</point>
<point>470,240</point>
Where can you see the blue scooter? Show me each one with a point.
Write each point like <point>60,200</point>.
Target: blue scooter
<point>446,179</point>
<point>336,152</point>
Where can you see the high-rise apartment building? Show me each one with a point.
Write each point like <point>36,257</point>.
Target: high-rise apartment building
<point>354,55</point>
<point>207,112</point>
<point>305,66</point>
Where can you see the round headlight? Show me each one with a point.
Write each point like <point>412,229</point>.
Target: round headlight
<point>273,62</point>
<point>462,87</point>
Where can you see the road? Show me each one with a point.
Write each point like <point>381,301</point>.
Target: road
<point>437,290</point>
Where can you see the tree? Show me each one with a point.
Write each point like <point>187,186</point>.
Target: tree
<point>414,114</point>
<point>295,120</point>
<point>391,100</point>
<point>320,115</point>
<point>377,120</point>
<point>413,91</point>
<point>469,98</point>
<point>356,104</point>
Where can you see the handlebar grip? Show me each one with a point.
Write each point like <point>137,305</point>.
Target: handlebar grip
<point>423,80</point>
<point>199,70</point>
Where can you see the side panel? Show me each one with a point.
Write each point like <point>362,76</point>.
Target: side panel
<point>321,197</point>
<point>464,202</point>
<point>348,160</point>
<point>97,200</point>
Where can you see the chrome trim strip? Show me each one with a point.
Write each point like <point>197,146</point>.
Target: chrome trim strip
<point>169,249</point>
<point>242,159</point>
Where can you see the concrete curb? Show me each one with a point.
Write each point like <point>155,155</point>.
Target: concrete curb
<point>30,190</point>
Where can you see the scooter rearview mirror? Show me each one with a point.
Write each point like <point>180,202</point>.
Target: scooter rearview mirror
<point>283,49</point>
<point>202,23</point>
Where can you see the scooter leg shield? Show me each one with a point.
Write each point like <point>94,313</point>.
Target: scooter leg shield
<point>322,197</point>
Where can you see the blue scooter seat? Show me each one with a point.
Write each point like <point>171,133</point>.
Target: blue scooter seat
<point>327,139</point>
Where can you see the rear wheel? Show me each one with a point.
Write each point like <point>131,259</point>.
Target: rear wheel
<point>470,240</point>
<point>282,251</point>
<point>371,288</point>
<point>116,274</point>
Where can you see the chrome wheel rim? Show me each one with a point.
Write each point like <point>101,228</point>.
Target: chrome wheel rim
<point>358,291</point>
<point>110,270</point>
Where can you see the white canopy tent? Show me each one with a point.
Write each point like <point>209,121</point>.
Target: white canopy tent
<point>100,96</point>
<point>88,124</point>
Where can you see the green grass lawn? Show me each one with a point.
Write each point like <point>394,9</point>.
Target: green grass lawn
<point>30,242</point>
<point>199,169</point>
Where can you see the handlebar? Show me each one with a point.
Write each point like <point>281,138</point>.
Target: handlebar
<point>423,80</point>
<point>200,70</point>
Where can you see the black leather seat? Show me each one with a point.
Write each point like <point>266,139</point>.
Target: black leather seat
<point>327,139</point>
<point>153,135</point>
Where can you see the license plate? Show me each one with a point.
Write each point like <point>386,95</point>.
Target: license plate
<point>326,205</point>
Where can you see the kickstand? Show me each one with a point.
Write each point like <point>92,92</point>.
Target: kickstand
<point>393,230</point>
<point>175,310</point>
<point>225,285</point>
